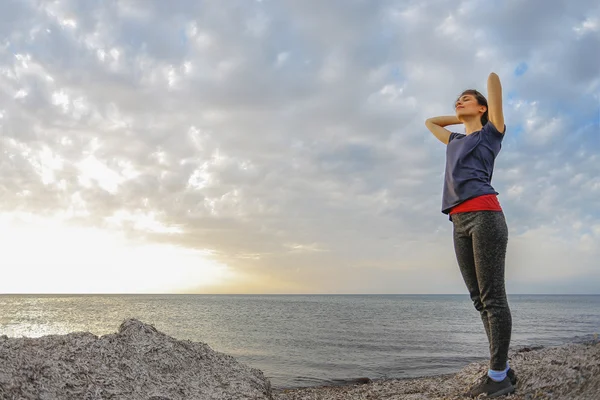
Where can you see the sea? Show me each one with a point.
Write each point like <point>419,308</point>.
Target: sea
<point>314,340</point>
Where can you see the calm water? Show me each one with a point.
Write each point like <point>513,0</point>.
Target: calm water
<point>306,340</point>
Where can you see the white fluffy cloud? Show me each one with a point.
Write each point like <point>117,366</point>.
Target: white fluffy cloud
<point>286,138</point>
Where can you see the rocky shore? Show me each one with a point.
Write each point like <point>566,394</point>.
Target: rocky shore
<point>139,362</point>
<point>569,372</point>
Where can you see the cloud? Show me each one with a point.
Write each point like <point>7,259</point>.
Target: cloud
<point>286,138</point>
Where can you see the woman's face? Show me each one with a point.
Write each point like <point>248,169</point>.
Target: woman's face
<point>467,105</point>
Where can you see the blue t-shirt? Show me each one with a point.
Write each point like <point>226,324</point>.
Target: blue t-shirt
<point>470,165</point>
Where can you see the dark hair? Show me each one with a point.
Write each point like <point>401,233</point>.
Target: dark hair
<point>481,100</point>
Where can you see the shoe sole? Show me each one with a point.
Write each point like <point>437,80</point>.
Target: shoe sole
<point>502,392</point>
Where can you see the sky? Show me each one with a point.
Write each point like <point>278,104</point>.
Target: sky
<point>279,146</point>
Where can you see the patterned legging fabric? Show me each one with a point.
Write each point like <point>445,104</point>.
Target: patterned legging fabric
<point>480,241</point>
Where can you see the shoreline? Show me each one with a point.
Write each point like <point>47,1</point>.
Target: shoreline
<point>138,362</point>
<point>567,372</point>
<point>574,340</point>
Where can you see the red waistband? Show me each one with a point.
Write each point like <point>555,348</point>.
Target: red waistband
<point>487,202</point>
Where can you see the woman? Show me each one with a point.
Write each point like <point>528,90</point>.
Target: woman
<point>479,228</point>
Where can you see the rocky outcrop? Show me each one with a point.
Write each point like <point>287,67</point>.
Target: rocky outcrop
<point>138,362</point>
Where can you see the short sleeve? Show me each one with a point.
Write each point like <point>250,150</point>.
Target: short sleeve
<point>490,127</point>
<point>452,136</point>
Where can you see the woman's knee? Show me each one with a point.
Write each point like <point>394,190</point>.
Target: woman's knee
<point>495,302</point>
<point>477,302</point>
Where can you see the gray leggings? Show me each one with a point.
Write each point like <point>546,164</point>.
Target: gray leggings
<point>480,240</point>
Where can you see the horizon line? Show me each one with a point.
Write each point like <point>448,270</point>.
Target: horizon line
<point>284,294</point>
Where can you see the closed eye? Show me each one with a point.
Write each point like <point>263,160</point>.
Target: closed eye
<point>463,100</point>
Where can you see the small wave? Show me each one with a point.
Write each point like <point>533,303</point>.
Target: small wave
<point>352,381</point>
<point>308,381</point>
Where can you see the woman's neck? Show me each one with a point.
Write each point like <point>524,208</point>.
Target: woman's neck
<point>472,124</point>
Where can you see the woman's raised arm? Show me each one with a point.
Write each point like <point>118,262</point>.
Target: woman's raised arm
<point>436,126</point>
<point>495,113</point>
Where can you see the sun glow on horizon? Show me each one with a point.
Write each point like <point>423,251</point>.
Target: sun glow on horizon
<point>44,255</point>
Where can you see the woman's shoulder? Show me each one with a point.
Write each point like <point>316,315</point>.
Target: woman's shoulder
<point>490,128</point>
<point>455,135</point>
